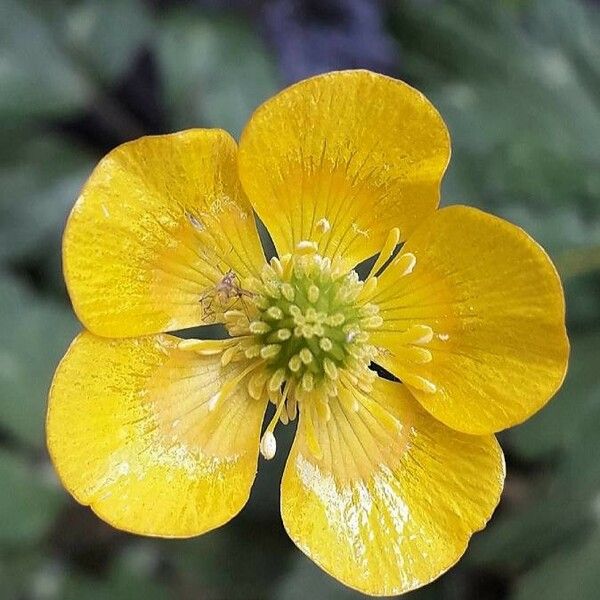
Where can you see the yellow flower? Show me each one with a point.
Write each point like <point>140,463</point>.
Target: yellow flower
<point>386,481</point>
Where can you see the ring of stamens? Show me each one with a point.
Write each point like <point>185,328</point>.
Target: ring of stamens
<point>308,330</point>
<point>303,327</point>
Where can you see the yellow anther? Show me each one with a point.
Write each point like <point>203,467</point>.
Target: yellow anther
<point>323,225</point>
<point>405,263</point>
<point>253,351</point>
<point>371,322</point>
<point>295,363</point>
<point>417,334</point>
<point>259,327</point>
<point>274,312</point>
<point>369,287</point>
<point>276,380</point>
<point>306,247</point>
<point>203,347</point>
<point>330,368</point>
<point>420,383</point>
<point>268,445</point>
<point>308,381</point>
<point>272,289</point>
<point>307,331</point>
<point>256,384</point>
<point>326,344</point>
<point>228,355</point>
<point>292,408</point>
<point>310,315</point>
<point>270,351</point>
<point>306,356</point>
<point>288,292</point>
<point>283,334</point>
<point>313,293</point>
<point>277,266</point>
<point>335,320</point>
<point>386,252</point>
<point>420,355</point>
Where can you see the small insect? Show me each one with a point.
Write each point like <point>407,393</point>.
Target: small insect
<point>226,294</point>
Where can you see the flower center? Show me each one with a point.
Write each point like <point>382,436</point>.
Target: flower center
<point>305,325</point>
<point>308,326</point>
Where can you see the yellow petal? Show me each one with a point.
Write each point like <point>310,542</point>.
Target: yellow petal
<point>386,511</point>
<point>159,222</point>
<point>344,157</point>
<point>495,306</point>
<point>131,434</point>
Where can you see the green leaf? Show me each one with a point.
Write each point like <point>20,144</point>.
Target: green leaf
<point>241,560</point>
<point>55,56</point>
<point>120,585</point>
<point>519,538</point>
<point>557,425</point>
<point>573,573</point>
<point>105,36</point>
<point>29,502</point>
<point>40,176</point>
<point>35,334</point>
<point>38,77</point>
<point>306,580</point>
<point>23,574</point>
<point>215,71</point>
<point>521,103</point>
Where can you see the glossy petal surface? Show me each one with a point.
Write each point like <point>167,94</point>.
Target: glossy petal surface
<point>388,510</point>
<point>158,223</point>
<point>495,304</point>
<point>130,434</point>
<point>361,150</point>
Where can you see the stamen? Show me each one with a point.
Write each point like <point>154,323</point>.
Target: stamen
<point>258,327</point>
<point>386,252</point>
<point>203,347</point>
<point>326,344</point>
<point>313,293</point>
<point>252,351</point>
<point>228,355</point>
<point>308,381</point>
<point>414,354</point>
<point>295,363</point>
<point>330,368</point>
<point>268,444</point>
<point>369,288</point>
<point>288,292</point>
<point>417,334</point>
<point>274,312</point>
<point>405,263</point>
<point>283,334</point>
<point>323,226</point>
<point>292,408</point>
<point>270,351</point>
<point>306,247</point>
<point>276,380</point>
<point>306,356</point>
<point>231,385</point>
<point>420,383</point>
<point>256,384</point>
<point>277,266</point>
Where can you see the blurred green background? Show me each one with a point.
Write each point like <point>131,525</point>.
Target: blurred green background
<point>518,83</point>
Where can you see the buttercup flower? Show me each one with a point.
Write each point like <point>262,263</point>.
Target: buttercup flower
<point>386,480</point>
